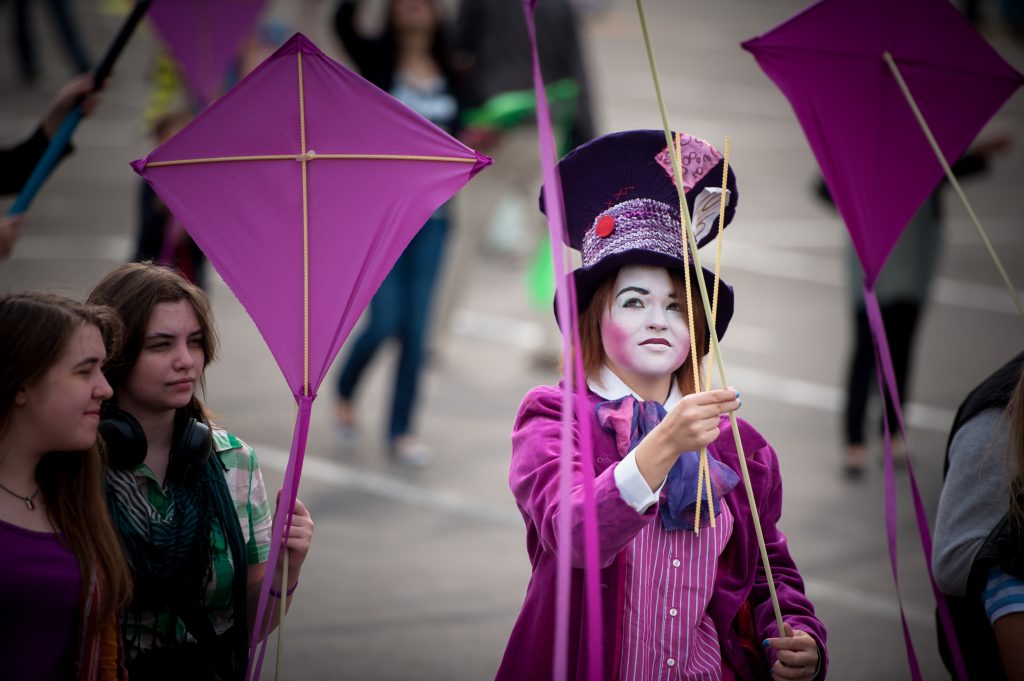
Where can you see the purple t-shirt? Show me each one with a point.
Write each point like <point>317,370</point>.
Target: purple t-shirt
<point>39,602</point>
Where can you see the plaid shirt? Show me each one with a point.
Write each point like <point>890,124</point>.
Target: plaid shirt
<point>245,483</point>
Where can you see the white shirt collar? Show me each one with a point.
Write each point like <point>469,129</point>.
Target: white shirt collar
<point>609,386</point>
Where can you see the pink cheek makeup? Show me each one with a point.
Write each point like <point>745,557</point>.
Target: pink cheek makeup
<point>614,337</point>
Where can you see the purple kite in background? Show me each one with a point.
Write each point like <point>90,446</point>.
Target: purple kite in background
<point>828,61</point>
<point>303,184</point>
<point>204,37</point>
<point>889,93</point>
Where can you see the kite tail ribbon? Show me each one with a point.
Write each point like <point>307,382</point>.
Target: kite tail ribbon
<point>574,379</point>
<point>62,137</point>
<point>282,521</point>
<point>886,377</point>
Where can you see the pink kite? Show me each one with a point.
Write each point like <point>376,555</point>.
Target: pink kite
<point>303,184</point>
<point>204,37</point>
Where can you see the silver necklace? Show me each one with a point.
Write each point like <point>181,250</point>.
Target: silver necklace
<point>28,500</point>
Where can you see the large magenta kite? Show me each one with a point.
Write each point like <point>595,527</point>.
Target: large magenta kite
<point>828,61</point>
<point>204,36</point>
<point>303,185</point>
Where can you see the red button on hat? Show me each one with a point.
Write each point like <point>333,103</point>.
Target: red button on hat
<point>605,226</point>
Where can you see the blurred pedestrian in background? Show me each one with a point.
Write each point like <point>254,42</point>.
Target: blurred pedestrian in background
<point>411,60</point>
<point>978,552</point>
<point>902,289</point>
<point>63,21</point>
<point>161,238</point>
<point>63,576</point>
<point>498,211</point>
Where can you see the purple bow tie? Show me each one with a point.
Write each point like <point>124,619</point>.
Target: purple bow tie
<point>631,420</point>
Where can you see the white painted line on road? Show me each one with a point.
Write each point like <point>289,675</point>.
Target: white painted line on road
<point>450,501</point>
<point>817,269</point>
<point>793,391</point>
<point>388,487</point>
<point>882,607</point>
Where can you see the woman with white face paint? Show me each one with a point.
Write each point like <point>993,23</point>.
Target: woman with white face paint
<point>676,603</point>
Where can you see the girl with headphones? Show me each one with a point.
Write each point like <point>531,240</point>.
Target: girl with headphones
<point>62,574</point>
<point>187,498</point>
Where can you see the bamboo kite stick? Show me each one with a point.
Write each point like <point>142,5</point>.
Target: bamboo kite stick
<point>949,176</point>
<point>716,350</point>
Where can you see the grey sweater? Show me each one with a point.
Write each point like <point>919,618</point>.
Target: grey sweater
<point>974,497</point>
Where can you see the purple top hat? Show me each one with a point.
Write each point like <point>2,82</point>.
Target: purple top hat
<point>622,207</point>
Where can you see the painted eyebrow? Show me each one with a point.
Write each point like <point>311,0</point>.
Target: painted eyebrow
<point>642,291</point>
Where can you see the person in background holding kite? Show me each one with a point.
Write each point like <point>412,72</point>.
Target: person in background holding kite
<point>978,554</point>
<point>63,576</point>
<point>17,162</point>
<point>410,61</point>
<point>187,498</point>
<point>675,600</point>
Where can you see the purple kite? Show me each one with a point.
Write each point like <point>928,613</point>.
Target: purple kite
<point>204,37</point>
<point>303,184</point>
<point>828,61</point>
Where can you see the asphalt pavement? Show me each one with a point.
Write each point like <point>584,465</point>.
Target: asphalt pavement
<point>421,574</point>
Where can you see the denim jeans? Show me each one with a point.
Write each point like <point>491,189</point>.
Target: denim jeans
<point>401,310</point>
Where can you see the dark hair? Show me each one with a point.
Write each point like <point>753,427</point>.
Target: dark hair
<point>440,46</point>
<point>134,290</point>
<point>35,329</point>
<point>592,347</point>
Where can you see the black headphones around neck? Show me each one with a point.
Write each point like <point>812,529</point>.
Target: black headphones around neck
<point>191,443</point>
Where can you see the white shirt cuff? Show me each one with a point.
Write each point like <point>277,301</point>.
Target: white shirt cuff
<point>634,489</point>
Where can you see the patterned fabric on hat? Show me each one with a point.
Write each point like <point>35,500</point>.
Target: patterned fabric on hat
<point>638,224</point>
<point>696,159</point>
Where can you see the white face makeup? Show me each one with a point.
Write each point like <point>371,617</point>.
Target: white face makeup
<point>645,333</point>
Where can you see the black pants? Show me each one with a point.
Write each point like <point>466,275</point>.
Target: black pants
<point>900,321</point>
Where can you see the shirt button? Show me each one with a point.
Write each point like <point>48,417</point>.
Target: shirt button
<point>673,612</point>
<point>675,562</point>
<point>670,662</point>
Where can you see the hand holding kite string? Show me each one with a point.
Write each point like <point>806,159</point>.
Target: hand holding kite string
<point>796,655</point>
<point>689,426</point>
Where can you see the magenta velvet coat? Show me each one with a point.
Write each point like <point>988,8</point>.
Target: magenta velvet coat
<point>533,478</point>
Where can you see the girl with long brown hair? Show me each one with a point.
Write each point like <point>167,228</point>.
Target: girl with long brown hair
<point>187,497</point>
<point>62,573</point>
